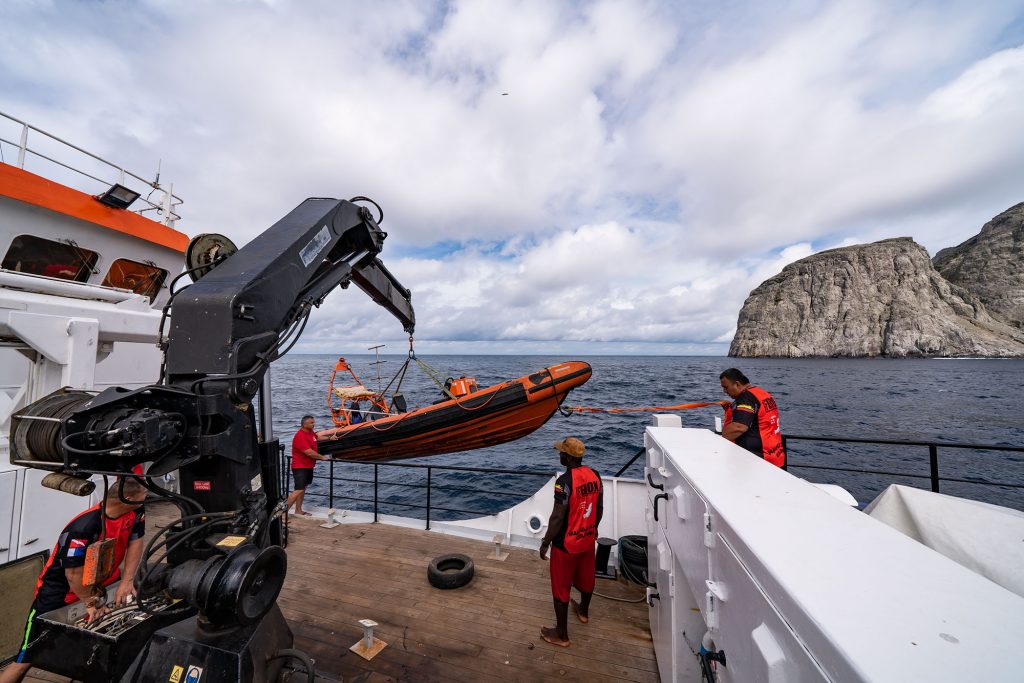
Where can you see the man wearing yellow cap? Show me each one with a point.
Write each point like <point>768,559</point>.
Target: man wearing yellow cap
<point>571,536</point>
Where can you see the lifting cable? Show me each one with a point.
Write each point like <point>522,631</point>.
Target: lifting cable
<point>431,372</point>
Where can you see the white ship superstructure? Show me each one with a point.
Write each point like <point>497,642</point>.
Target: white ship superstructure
<point>82,284</point>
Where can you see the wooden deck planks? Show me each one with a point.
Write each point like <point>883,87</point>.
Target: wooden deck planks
<point>486,631</point>
<point>379,572</point>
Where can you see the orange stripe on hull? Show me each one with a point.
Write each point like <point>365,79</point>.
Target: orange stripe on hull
<point>38,191</point>
<point>491,416</point>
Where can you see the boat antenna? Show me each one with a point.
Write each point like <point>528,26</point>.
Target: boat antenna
<point>378,362</point>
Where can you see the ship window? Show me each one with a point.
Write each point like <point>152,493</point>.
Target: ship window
<point>38,256</point>
<point>141,278</point>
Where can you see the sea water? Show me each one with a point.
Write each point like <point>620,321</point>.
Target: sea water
<point>953,401</point>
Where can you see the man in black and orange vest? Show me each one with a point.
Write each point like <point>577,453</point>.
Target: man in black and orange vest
<point>752,421</point>
<point>572,536</point>
<point>60,582</point>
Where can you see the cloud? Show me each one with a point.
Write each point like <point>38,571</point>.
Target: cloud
<point>649,165</point>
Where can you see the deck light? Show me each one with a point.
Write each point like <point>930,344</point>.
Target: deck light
<point>118,196</point>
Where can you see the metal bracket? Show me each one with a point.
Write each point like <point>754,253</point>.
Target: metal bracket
<point>709,534</point>
<point>332,521</point>
<point>368,646</point>
<point>498,554</point>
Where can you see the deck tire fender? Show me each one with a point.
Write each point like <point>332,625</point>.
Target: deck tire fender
<point>450,571</point>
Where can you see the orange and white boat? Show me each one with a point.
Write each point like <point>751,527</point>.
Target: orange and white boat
<point>471,418</point>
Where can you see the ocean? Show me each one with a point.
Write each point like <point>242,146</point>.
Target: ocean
<point>944,400</point>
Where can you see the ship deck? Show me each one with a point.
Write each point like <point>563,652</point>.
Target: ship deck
<point>486,631</point>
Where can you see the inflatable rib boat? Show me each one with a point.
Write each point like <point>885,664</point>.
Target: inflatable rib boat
<point>479,418</point>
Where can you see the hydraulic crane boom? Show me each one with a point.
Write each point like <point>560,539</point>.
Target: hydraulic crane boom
<point>222,559</point>
<point>233,321</point>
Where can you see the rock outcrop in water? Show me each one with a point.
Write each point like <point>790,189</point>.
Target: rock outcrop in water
<point>990,266</point>
<point>879,299</point>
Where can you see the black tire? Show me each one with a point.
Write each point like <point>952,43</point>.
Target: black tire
<point>450,571</point>
<point>633,558</point>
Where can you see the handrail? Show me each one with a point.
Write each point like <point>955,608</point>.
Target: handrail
<point>933,475</point>
<point>897,442</point>
<point>933,457</point>
<point>166,207</point>
<point>377,481</point>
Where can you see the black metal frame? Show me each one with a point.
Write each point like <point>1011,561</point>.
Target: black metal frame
<point>933,458</point>
<point>377,482</point>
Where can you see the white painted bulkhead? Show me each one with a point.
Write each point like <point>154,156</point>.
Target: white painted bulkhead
<point>794,585</point>
<point>56,333</point>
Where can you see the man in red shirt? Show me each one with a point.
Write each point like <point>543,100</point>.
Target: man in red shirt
<point>60,582</point>
<point>304,457</point>
<point>572,536</point>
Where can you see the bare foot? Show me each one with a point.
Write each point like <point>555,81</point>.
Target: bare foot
<point>303,513</point>
<point>576,610</point>
<point>551,635</point>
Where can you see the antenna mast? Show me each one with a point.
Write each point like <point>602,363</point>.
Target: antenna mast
<point>378,362</point>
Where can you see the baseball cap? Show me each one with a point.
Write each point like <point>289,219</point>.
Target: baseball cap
<point>571,446</point>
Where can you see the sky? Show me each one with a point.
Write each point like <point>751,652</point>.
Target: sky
<point>566,178</point>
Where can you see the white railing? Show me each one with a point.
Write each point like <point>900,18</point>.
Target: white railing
<point>165,204</point>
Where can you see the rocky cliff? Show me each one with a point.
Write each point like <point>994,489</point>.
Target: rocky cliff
<point>990,266</point>
<point>879,299</point>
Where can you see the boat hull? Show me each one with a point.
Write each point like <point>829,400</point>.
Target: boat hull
<point>491,416</point>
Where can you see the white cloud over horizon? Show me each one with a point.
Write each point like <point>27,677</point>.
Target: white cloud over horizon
<point>650,164</point>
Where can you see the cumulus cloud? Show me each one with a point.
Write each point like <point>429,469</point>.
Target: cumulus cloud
<point>605,176</point>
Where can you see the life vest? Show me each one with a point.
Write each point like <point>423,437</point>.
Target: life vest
<point>581,529</point>
<point>768,425</point>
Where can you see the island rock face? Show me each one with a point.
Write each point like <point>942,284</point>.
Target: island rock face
<point>990,266</point>
<point>879,299</point>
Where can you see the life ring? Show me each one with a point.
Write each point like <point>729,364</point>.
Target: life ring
<point>450,571</point>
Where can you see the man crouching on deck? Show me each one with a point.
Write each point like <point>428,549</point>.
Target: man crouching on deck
<point>572,531</point>
<point>60,583</point>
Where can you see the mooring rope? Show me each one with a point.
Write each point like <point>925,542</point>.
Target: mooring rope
<point>681,406</point>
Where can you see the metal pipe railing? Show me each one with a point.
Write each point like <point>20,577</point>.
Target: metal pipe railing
<point>167,206</point>
<point>933,475</point>
<point>429,506</point>
<point>933,447</point>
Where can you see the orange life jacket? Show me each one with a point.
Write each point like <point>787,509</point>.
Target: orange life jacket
<point>581,530</point>
<point>767,426</point>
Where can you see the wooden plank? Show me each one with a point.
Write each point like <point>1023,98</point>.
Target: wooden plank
<point>487,631</point>
<point>469,600</point>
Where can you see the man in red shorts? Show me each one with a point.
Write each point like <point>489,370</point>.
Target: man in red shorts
<point>572,536</point>
<point>304,457</point>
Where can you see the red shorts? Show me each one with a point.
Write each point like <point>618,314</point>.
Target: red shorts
<point>571,569</point>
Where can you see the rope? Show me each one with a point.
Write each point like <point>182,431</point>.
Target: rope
<point>468,396</point>
<point>400,376</point>
<point>433,375</point>
<point>681,406</point>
